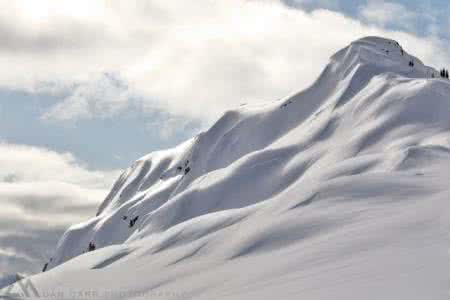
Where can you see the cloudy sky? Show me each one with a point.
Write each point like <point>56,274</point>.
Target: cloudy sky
<point>86,87</point>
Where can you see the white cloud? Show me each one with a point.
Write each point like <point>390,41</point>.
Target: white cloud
<point>42,192</point>
<point>102,96</point>
<point>187,58</point>
<point>384,13</point>
<point>314,4</point>
<point>172,126</point>
<point>32,164</point>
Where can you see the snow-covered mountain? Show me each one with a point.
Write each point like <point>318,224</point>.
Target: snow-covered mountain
<point>336,192</point>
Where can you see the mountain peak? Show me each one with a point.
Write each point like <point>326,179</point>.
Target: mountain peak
<point>384,55</point>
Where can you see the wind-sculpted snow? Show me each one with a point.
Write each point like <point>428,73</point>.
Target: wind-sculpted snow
<point>337,192</point>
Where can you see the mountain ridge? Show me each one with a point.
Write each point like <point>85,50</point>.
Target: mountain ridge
<point>312,178</point>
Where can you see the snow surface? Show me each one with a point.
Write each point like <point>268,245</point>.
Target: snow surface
<point>336,192</point>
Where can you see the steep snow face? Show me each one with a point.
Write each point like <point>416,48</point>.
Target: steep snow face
<point>336,191</point>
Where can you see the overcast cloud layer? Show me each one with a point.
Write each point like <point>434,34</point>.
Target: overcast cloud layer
<point>194,59</point>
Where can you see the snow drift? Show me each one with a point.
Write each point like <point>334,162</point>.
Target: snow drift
<point>336,192</point>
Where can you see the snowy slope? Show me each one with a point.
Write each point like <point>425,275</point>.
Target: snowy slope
<point>336,192</point>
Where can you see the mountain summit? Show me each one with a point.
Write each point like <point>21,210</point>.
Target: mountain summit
<point>336,192</point>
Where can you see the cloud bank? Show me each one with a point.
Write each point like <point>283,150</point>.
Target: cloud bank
<point>42,192</point>
<point>386,13</point>
<point>191,59</point>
